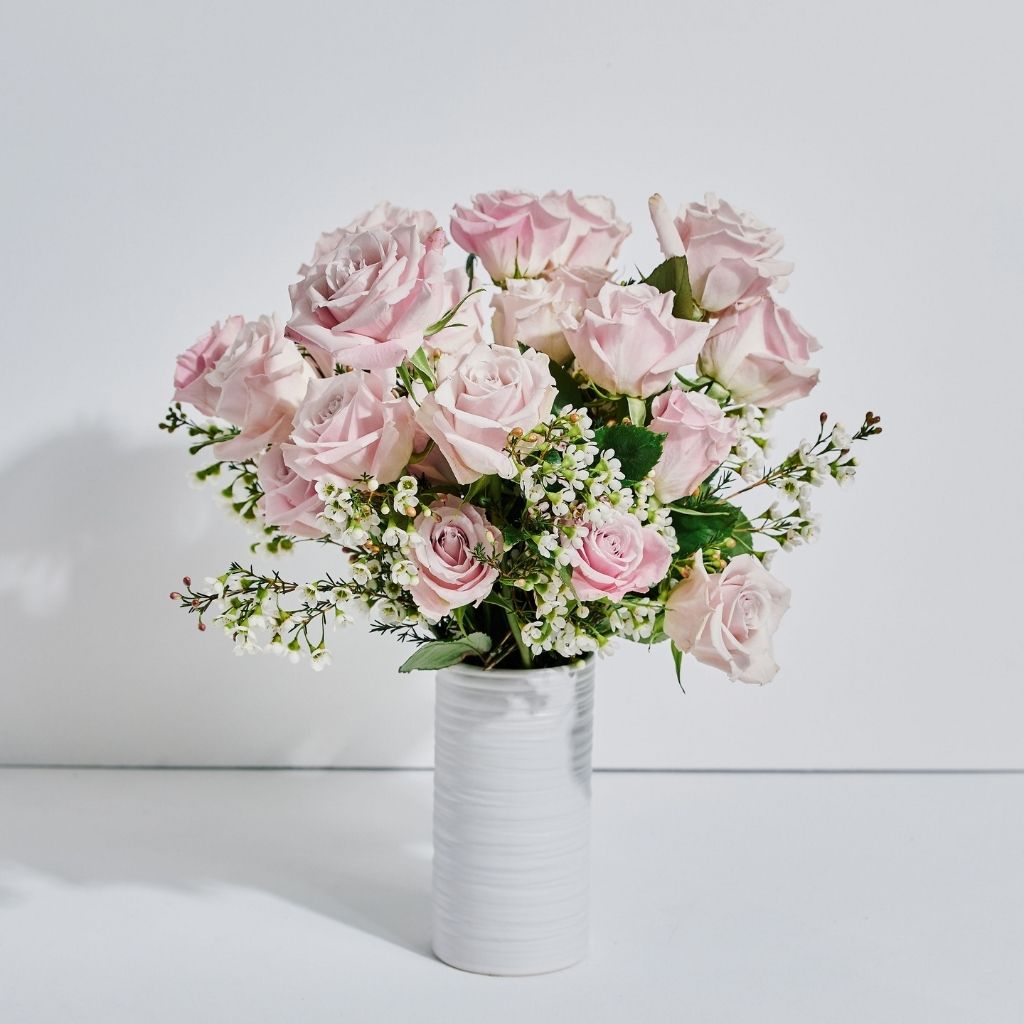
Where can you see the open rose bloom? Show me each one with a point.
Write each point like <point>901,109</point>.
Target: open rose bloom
<point>517,453</point>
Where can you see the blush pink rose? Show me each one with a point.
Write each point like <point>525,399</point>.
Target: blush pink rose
<point>595,232</point>
<point>760,353</point>
<point>259,383</point>
<point>384,215</point>
<point>349,427</point>
<point>190,373</point>
<point>289,502</point>
<point>731,255</point>
<point>518,234</point>
<point>366,304</point>
<point>698,437</point>
<point>510,232</point>
<point>618,556</point>
<point>450,575</point>
<point>492,391</point>
<point>533,311</point>
<point>628,342</point>
<point>727,620</point>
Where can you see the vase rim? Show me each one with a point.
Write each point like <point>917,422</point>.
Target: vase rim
<point>586,661</point>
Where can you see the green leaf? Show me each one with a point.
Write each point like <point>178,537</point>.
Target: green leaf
<point>637,448</point>
<point>442,653</point>
<point>470,269</point>
<point>743,534</point>
<point>674,276</point>
<point>422,363</point>
<point>569,392</point>
<point>498,601</point>
<point>677,658</point>
<point>441,324</point>
<point>705,526</point>
<point>637,410</point>
<point>513,535</point>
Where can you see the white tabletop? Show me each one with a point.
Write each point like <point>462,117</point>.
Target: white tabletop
<point>159,896</point>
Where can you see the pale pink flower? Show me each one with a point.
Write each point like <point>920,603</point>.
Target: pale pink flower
<point>190,373</point>
<point>760,353</point>
<point>489,393</point>
<point>698,437</point>
<point>730,253</point>
<point>628,342</point>
<point>511,233</point>
<point>727,620</point>
<point>367,303</point>
<point>534,311</point>
<point>351,426</point>
<point>618,556</point>
<point>450,574</point>
<point>259,383</point>
<point>385,215</point>
<point>289,502</point>
<point>595,232</point>
<point>519,234</point>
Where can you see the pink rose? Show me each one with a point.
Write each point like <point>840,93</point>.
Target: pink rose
<point>727,620</point>
<point>490,393</point>
<point>367,303</point>
<point>384,215</point>
<point>387,216</point>
<point>618,556</point>
<point>698,437</point>
<point>628,342</point>
<point>190,373</point>
<point>259,383</point>
<point>510,232</point>
<point>517,234</point>
<point>288,501</point>
<point>760,354</point>
<point>730,253</point>
<point>349,427</point>
<point>450,575</point>
<point>595,233</point>
<point>533,311</point>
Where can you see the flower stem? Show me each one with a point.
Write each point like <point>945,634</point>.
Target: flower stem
<point>517,635</point>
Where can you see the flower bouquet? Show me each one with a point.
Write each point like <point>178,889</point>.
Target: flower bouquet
<point>513,461</point>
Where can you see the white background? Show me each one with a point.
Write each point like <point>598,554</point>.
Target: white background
<point>167,165</point>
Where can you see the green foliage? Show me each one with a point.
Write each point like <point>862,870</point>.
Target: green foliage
<point>706,525</point>
<point>569,391</point>
<point>441,324</point>
<point>677,660</point>
<point>422,364</point>
<point>674,276</point>
<point>513,535</point>
<point>637,448</point>
<point>443,653</point>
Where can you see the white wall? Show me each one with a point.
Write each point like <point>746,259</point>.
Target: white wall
<point>167,165</point>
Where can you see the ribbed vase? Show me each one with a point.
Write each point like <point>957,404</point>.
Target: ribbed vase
<point>511,888</point>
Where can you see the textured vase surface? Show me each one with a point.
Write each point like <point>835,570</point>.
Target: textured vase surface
<point>511,890</point>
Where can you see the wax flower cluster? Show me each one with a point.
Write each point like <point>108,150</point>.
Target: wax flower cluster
<point>516,459</point>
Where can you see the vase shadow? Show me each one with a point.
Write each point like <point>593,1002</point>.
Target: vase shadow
<point>353,847</point>
<point>99,668</point>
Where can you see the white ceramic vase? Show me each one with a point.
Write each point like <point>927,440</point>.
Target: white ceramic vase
<point>511,890</point>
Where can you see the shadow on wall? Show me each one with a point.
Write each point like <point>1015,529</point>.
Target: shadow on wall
<point>352,847</point>
<point>99,667</point>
